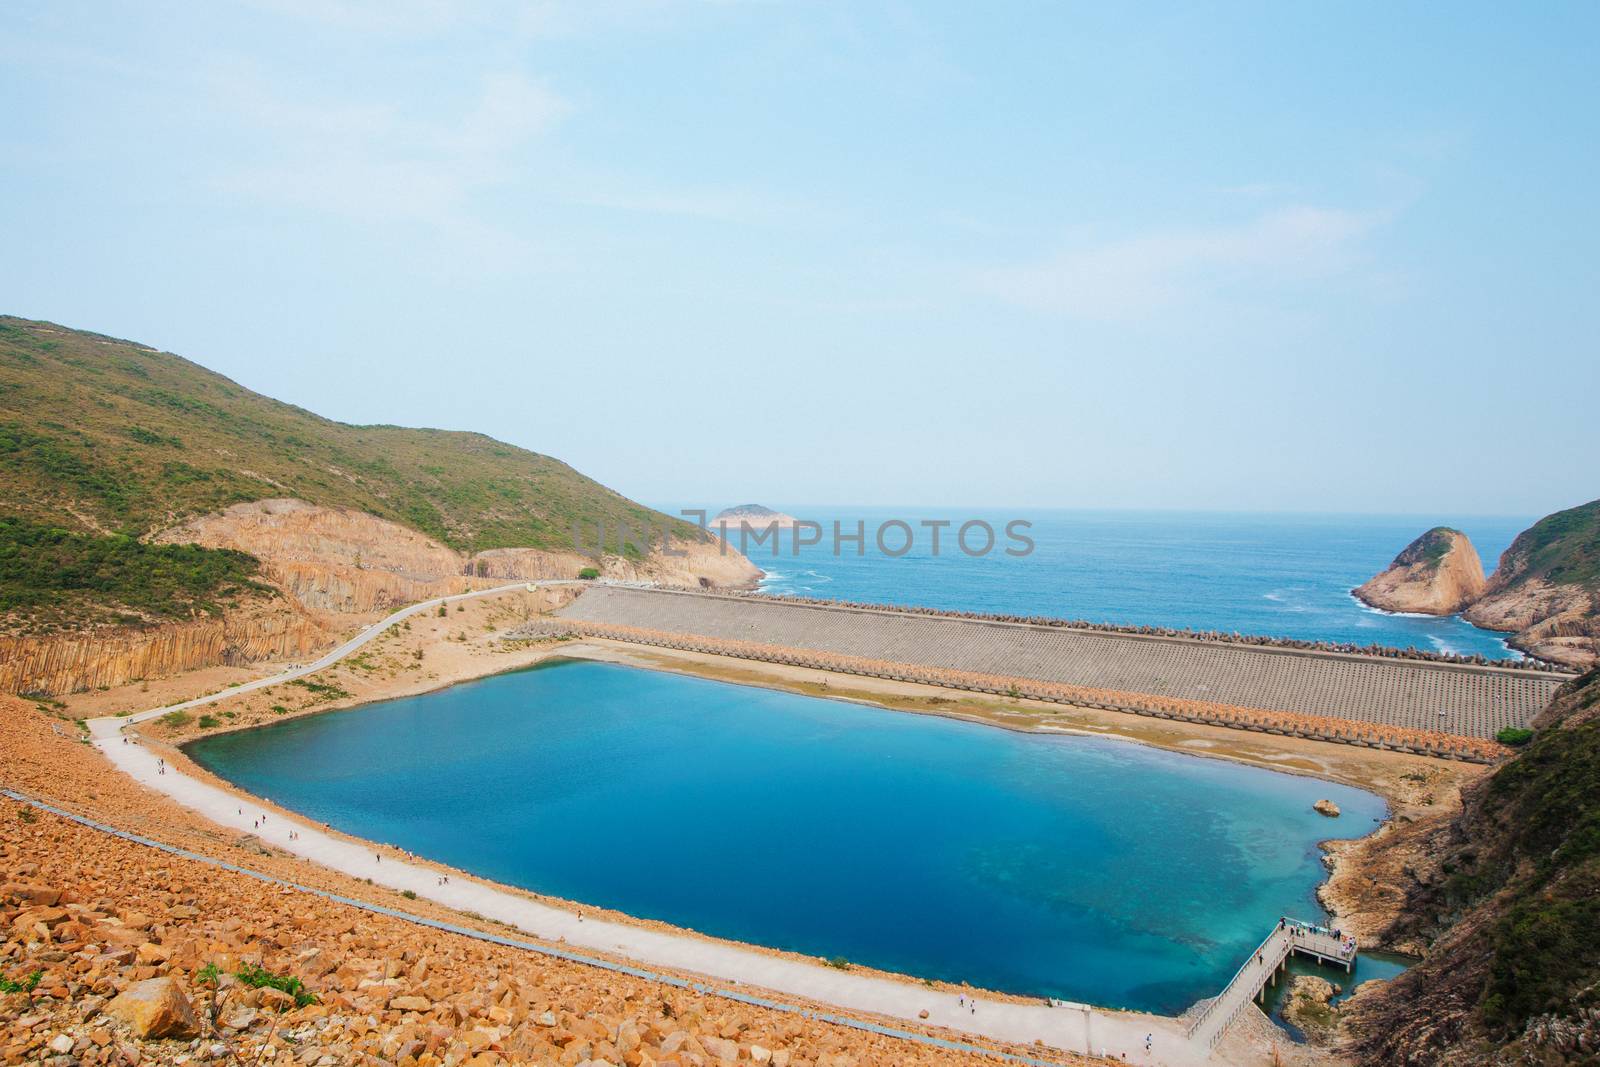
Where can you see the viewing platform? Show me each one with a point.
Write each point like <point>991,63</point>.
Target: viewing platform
<point>1250,982</point>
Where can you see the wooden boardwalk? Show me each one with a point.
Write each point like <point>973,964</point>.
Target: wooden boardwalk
<point>1208,1025</point>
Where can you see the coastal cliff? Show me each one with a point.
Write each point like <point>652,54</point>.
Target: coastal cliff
<point>1547,588</point>
<point>1507,909</point>
<point>1437,574</point>
<point>1545,591</point>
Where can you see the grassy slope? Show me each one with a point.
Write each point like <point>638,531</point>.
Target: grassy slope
<point>1430,548</point>
<point>1563,549</point>
<point>101,433</point>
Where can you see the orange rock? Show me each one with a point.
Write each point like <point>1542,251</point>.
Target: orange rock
<point>156,1008</point>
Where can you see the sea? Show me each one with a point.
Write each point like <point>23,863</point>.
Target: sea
<point>1278,575</point>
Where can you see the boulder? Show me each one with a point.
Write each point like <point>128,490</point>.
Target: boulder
<point>1308,1007</point>
<point>411,1004</point>
<point>156,1008</point>
<point>33,895</point>
<point>1326,807</point>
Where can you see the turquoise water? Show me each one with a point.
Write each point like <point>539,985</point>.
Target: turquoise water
<point>1280,575</point>
<point>1370,966</point>
<point>1061,866</point>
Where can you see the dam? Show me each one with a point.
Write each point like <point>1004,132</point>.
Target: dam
<point>1420,697</point>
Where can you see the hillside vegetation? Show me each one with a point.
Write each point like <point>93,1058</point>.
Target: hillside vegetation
<point>1562,549</point>
<point>1513,914</point>
<point>57,576</point>
<point>109,436</point>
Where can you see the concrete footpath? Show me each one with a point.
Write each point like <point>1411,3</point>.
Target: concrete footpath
<point>1076,1029</point>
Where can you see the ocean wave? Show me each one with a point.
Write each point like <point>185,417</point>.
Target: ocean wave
<point>1369,609</point>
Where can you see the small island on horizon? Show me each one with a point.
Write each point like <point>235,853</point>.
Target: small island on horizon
<point>755,515</point>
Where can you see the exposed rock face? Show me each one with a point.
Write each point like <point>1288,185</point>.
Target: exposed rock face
<point>71,664</point>
<point>1547,588</point>
<point>339,560</point>
<point>1438,574</point>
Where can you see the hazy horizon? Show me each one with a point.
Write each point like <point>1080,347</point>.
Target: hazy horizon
<point>1253,259</point>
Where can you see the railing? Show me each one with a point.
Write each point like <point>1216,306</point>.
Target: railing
<point>1289,936</point>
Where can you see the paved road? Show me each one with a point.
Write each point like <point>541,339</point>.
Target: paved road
<point>1069,1028</point>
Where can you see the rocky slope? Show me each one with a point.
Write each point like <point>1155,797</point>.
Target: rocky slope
<point>343,560</point>
<point>1438,574</point>
<point>1547,588</point>
<point>1507,903</point>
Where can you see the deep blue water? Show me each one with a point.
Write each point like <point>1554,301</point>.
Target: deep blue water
<point>1279,575</point>
<point>1079,868</point>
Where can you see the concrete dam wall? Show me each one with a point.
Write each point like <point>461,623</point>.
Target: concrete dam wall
<point>1456,699</point>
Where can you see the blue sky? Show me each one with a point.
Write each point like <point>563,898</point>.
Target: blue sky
<point>1276,257</point>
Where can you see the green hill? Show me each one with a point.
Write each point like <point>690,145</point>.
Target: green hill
<point>103,442</point>
<point>1562,549</point>
<point>103,435</point>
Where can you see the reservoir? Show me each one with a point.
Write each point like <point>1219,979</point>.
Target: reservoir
<point>1052,865</point>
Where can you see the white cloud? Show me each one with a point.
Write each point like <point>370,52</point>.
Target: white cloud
<point>1158,271</point>
<point>377,161</point>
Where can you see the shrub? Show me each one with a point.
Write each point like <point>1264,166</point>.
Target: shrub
<point>839,963</point>
<point>208,721</point>
<point>589,574</point>
<point>409,894</point>
<point>177,719</point>
<point>259,977</point>
<point>1515,736</point>
<point>27,985</point>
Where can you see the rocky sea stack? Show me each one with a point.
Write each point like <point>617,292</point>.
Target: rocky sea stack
<point>1438,574</point>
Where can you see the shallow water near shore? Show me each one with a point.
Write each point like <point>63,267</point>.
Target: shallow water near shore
<point>1071,867</point>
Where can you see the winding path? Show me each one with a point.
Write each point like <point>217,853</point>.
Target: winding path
<point>1074,1028</point>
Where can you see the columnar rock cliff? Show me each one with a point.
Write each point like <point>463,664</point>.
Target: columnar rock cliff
<point>72,663</point>
<point>1438,574</point>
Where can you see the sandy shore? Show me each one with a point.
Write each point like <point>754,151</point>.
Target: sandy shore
<point>432,650</point>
